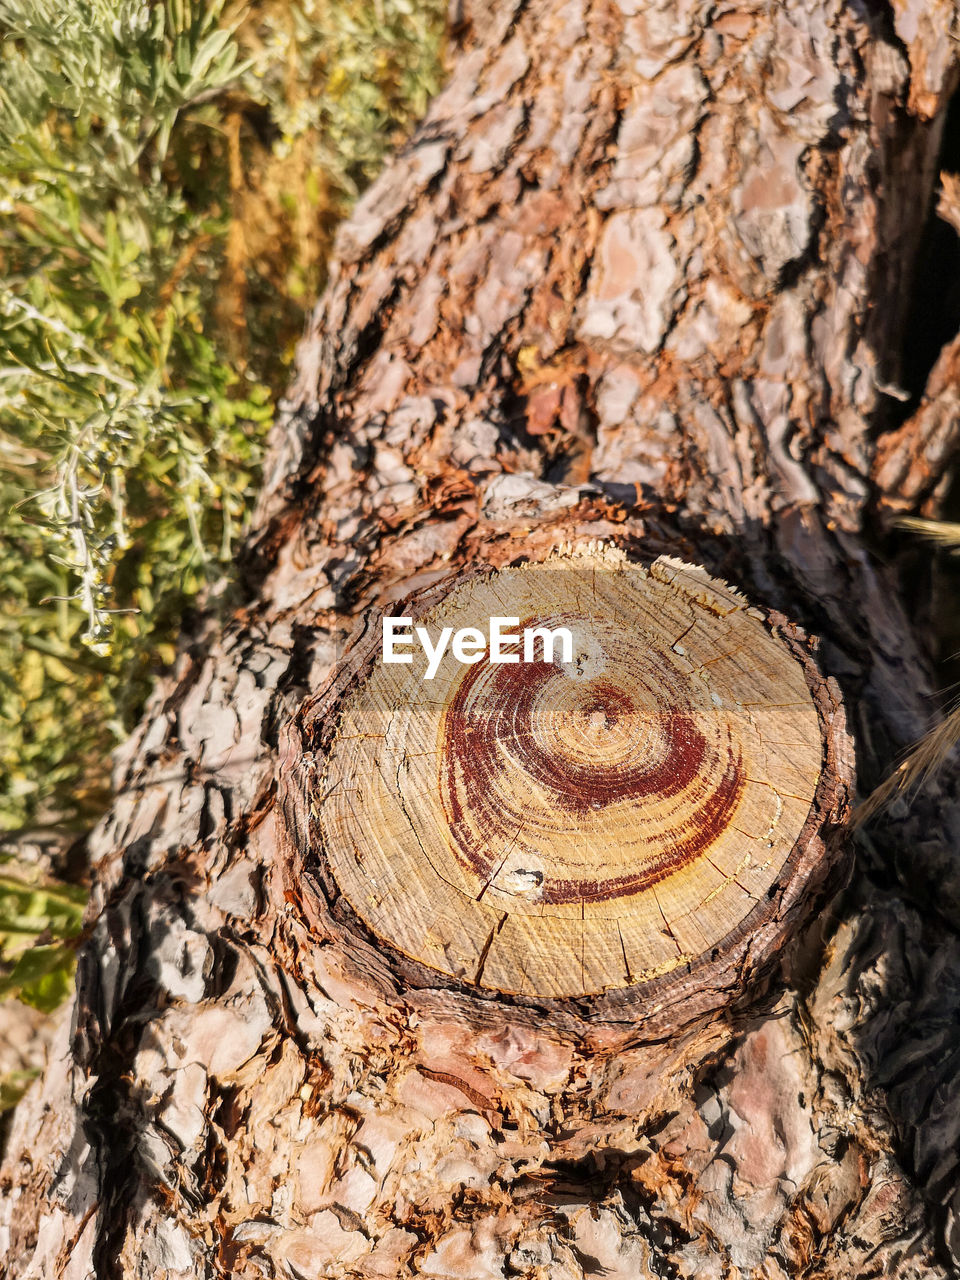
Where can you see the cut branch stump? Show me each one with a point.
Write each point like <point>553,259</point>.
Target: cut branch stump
<point>634,825</point>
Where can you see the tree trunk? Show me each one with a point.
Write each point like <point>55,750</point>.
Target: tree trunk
<point>636,291</point>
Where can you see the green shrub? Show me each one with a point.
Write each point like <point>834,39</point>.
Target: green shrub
<point>171,177</point>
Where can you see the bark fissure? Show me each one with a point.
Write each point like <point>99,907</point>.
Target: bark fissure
<point>640,278</point>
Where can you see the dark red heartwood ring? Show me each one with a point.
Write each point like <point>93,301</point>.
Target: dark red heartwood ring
<point>473,759</point>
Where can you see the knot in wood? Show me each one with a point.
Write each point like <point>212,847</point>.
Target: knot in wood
<point>615,817</point>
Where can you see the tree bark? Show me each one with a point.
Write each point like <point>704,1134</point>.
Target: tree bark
<point>641,279</point>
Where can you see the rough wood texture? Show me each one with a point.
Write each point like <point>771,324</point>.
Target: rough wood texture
<point>641,276</point>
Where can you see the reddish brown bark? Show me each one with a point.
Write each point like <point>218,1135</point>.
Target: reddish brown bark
<point>642,275</point>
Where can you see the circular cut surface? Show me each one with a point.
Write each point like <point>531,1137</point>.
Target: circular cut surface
<point>560,829</point>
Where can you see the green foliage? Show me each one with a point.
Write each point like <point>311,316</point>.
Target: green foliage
<point>36,922</point>
<point>130,439</point>
<point>377,64</point>
<point>149,239</point>
<point>170,177</point>
<point>330,87</point>
<point>13,1086</point>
